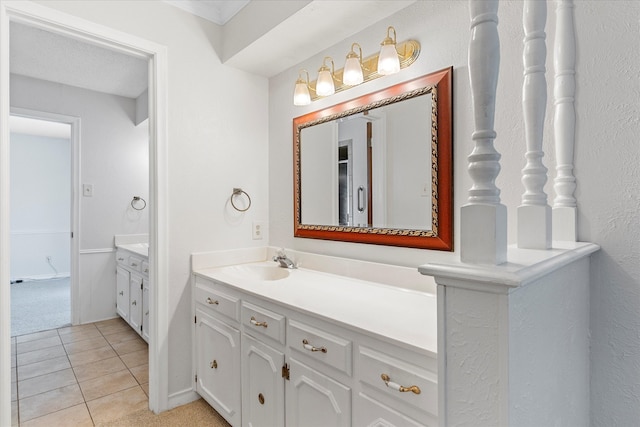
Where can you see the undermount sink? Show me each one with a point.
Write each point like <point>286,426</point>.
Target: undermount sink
<point>259,272</point>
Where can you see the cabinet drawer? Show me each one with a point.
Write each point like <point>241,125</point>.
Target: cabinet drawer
<point>266,322</point>
<point>122,258</point>
<point>145,268</point>
<point>373,365</point>
<point>216,301</point>
<point>135,263</point>
<point>320,345</point>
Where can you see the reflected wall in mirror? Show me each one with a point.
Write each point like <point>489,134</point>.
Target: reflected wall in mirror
<point>378,169</point>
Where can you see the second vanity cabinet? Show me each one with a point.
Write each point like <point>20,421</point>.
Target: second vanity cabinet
<point>132,290</point>
<point>259,362</point>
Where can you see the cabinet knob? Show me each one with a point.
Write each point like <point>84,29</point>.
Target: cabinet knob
<point>402,389</point>
<point>214,364</point>
<point>211,301</point>
<point>261,399</point>
<point>254,322</point>
<point>121,292</point>
<point>134,302</point>
<point>309,347</point>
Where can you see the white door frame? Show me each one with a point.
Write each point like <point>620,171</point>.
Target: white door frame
<point>74,122</point>
<point>72,26</point>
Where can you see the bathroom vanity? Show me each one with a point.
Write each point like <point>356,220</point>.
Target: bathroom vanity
<point>132,286</point>
<point>277,346</point>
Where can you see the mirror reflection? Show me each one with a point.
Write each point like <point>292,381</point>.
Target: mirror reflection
<point>380,168</point>
<point>377,169</point>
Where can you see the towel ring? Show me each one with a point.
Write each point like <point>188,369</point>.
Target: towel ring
<point>239,192</point>
<point>137,199</point>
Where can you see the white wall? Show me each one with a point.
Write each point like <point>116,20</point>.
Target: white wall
<point>217,135</point>
<point>40,206</point>
<point>606,160</point>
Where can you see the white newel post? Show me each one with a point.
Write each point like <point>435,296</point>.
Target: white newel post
<point>534,214</point>
<point>483,221</point>
<point>564,59</point>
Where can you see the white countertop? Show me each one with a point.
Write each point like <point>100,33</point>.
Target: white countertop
<point>405,315</point>
<point>141,249</point>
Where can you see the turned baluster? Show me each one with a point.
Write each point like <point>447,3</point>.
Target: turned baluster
<point>564,59</point>
<point>534,214</point>
<point>483,222</point>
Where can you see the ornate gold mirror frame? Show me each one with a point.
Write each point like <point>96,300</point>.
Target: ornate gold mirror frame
<point>440,236</point>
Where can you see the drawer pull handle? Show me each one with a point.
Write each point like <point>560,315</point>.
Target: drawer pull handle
<point>122,293</point>
<point>214,364</point>
<point>395,386</point>
<point>254,322</point>
<point>309,347</point>
<point>146,270</point>
<point>120,259</point>
<point>261,399</point>
<point>210,301</point>
<point>133,264</point>
<point>134,302</point>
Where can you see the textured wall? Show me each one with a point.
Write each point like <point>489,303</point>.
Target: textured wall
<point>608,174</point>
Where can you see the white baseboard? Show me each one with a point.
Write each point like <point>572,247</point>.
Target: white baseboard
<point>182,398</point>
<point>43,277</point>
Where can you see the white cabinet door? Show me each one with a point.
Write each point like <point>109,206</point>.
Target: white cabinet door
<point>145,309</point>
<point>314,399</point>
<point>262,384</point>
<point>218,366</point>
<point>135,302</point>
<point>122,293</point>
<point>373,413</point>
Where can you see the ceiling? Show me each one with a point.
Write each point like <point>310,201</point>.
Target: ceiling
<point>219,12</point>
<point>44,55</point>
<point>48,56</point>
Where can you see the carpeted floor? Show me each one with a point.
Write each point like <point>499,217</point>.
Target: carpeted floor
<point>40,305</point>
<point>194,414</point>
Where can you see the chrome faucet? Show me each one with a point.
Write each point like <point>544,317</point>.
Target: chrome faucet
<point>284,261</point>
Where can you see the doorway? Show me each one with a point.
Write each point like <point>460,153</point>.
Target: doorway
<point>46,18</point>
<point>42,219</point>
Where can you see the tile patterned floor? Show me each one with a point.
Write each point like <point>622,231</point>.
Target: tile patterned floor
<point>78,375</point>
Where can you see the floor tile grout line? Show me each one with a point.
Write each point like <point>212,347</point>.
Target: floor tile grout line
<point>59,335</point>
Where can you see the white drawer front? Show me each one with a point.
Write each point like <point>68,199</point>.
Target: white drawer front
<point>122,258</point>
<point>320,345</point>
<point>135,263</point>
<point>217,301</point>
<point>145,268</point>
<point>266,322</point>
<point>373,365</point>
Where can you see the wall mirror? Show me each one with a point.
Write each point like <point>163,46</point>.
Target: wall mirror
<point>378,169</point>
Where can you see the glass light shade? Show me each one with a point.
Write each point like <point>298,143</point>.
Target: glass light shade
<point>301,94</point>
<point>388,61</point>
<point>324,85</point>
<point>352,72</point>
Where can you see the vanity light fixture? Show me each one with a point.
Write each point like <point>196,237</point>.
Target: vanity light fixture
<point>388,61</point>
<point>353,67</point>
<point>301,94</point>
<point>392,58</point>
<point>325,86</point>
